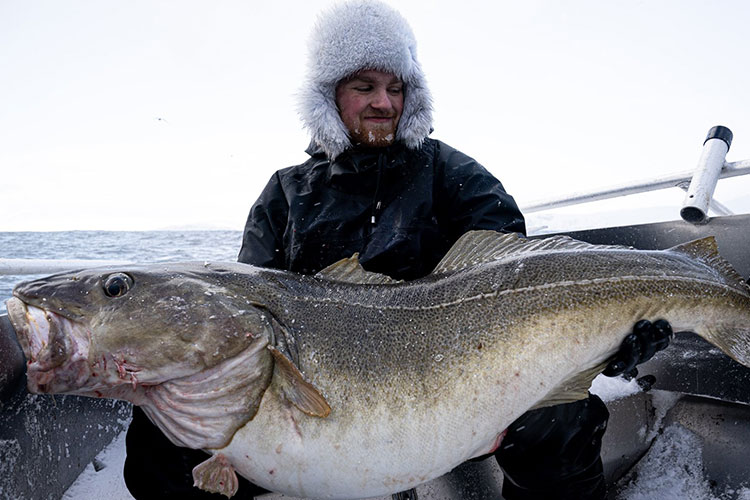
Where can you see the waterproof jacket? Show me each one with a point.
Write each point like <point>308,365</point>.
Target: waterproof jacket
<point>421,201</point>
<point>400,209</point>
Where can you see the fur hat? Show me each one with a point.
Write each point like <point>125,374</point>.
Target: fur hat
<point>357,35</point>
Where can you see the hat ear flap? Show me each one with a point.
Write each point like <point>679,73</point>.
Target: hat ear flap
<point>416,119</point>
<point>321,117</point>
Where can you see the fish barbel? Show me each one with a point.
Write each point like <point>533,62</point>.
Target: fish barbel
<point>348,384</point>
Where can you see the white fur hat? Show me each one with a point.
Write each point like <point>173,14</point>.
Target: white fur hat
<point>357,35</point>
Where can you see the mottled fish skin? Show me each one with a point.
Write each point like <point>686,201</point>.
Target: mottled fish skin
<point>418,376</point>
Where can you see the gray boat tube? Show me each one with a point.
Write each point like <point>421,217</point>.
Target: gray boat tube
<point>12,361</point>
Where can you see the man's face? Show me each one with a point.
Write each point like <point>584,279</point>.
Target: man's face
<point>370,104</point>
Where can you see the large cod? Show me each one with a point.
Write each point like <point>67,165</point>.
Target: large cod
<point>348,384</point>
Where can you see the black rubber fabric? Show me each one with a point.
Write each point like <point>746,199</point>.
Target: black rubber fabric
<point>155,468</point>
<point>555,452</point>
<point>405,495</point>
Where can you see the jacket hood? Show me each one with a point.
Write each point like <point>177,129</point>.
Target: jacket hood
<point>362,34</point>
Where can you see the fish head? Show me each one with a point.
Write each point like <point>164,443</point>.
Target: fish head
<point>87,332</point>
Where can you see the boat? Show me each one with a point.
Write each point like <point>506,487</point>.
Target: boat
<point>689,391</point>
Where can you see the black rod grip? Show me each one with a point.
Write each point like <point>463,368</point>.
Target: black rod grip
<point>720,132</point>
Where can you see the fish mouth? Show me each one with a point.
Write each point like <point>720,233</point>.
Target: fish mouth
<point>56,348</point>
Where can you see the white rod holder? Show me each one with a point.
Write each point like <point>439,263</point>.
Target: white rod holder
<point>703,183</point>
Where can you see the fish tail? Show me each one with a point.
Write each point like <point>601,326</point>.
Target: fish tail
<point>733,336</point>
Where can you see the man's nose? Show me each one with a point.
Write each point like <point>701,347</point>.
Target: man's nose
<point>381,100</point>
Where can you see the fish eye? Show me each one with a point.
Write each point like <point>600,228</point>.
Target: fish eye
<point>117,284</point>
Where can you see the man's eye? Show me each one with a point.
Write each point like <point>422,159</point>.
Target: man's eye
<point>363,89</point>
<point>396,90</point>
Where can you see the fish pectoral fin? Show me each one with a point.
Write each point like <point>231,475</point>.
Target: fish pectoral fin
<point>296,389</point>
<point>573,389</point>
<point>216,475</point>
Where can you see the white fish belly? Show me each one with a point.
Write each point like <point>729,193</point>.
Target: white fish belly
<point>365,454</point>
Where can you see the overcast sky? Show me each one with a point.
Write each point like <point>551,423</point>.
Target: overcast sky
<point>148,114</point>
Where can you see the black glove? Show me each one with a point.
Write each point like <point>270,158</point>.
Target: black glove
<point>12,361</point>
<point>638,347</point>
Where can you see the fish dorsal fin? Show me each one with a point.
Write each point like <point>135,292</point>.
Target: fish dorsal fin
<point>707,250</point>
<point>296,389</point>
<point>479,247</point>
<point>351,271</point>
<point>703,248</point>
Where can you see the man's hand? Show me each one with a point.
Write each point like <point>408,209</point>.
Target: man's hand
<point>12,361</point>
<point>638,347</point>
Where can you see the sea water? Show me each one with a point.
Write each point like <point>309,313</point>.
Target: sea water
<point>129,246</point>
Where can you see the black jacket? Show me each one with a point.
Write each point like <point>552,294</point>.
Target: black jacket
<point>400,209</point>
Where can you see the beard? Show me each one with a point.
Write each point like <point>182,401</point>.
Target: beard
<point>374,135</point>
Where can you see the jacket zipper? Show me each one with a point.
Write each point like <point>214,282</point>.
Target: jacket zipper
<point>375,212</point>
<point>377,204</point>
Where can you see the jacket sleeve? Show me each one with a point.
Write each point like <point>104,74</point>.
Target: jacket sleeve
<point>263,237</point>
<point>475,199</point>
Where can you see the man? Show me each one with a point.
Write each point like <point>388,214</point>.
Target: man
<point>376,184</point>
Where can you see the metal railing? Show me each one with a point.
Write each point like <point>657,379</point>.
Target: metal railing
<point>18,267</point>
<point>698,184</point>
<point>679,180</point>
